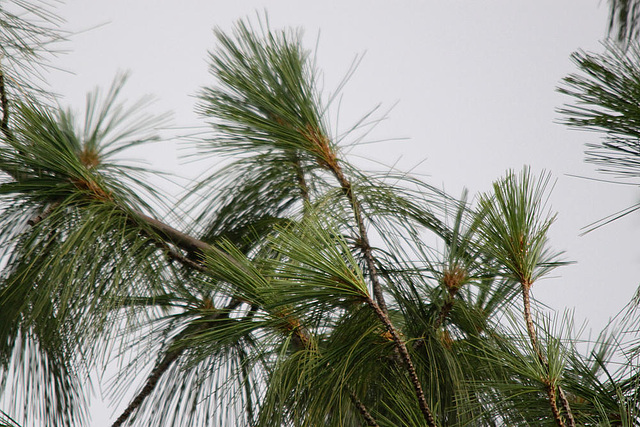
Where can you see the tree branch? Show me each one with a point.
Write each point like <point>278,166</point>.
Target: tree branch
<point>48,210</point>
<point>406,358</point>
<point>567,407</point>
<point>362,409</point>
<point>4,103</point>
<point>192,245</point>
<point>551,389</point>
<point>364,244</point>
<point>302,182</point>
<point>301,338</point>
<point>551,394</point>
<point>167,360</point>
<point>180,239</point>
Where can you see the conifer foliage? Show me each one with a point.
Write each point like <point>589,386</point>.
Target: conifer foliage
<point>306,291</point>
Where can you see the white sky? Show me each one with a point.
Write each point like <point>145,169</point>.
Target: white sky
<point>475,85</point>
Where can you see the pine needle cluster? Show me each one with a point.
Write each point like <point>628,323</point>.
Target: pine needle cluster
<point>306,291</point>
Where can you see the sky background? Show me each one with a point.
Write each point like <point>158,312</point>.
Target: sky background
<point>472,86</point>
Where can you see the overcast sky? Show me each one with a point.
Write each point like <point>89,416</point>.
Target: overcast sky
<point>473,84</point>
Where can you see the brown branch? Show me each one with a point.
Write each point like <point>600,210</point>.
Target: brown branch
<point>194,247</point>
<point>406,358</point>
<point>180,239</point>
<point>362,409</point>
<point>4,103</point>
<point>186,261</point>
<point>551,389</point>
<point>166,232</point>
<point>168,359</point>
<point>365,246</point>
<point>326,157</point>
<point>48,210</point>
<point>150,384</point>
<point>567,407</point>
<point>526,300</point>
<point>551,394</point>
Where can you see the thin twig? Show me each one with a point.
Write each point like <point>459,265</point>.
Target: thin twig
<point>529,321</point>
<point>327,158</point>
<point>167,360</point>
<point>302,182</point>
<point>48,210</point>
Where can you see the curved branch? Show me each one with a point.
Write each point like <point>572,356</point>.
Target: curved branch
<point>301,338</point>
<point>168,358</point>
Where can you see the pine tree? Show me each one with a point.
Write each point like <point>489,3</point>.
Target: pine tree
<point>305,291</point>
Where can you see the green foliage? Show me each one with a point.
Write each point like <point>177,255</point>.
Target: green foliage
<point>267,97</point>
<point>606,94</point>
<point>624,16</point>
<point>514,225</point>
<point>30,33</point>
<point>313,294</point>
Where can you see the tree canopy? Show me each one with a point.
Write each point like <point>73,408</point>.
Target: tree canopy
<point>296,289</point>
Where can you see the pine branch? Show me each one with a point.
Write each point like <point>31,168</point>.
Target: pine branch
<point>4,103</point>
<point>514,225</point>
<point>193,246</point>
<point>526,287</point>
<point>566,406</point>
<point>551,389</point>
<point>362,409</point>
<point>198,248</point>
<point>406,358</point>
<point>180,239</point>
<point>364,244</point>
<point>48,210</point>
<point>551,394</point>
<point>169,358</point>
